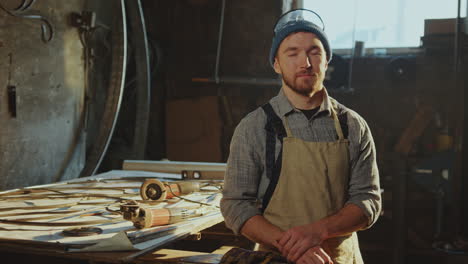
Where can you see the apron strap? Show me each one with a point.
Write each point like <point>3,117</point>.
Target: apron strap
<point>274,129</point>
<point>286,125</point>
<point>339,132</point>
<point>341,122</point>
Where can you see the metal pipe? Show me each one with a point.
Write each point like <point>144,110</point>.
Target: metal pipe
<point>400,228</point>
<point>460,186</point>
<point>136,21</point>
<point>123,63</point>
<point>351,60</point>
<point>299,3</point>
<point>220,37</point>
<point>239,80</point>
<point>456,53</point>
<point>114,98</point>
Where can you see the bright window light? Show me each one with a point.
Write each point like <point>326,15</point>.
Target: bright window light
<point>380,23</point>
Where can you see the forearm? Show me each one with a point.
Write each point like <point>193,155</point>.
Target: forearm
<point>260,230</point>
<point>364,182</point>
<point>243,174</point>
<point>297,240</point>
<point>349,219</point>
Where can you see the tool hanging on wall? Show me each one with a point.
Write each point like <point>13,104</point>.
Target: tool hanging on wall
<point>11,90</point>
<point>156,190</point>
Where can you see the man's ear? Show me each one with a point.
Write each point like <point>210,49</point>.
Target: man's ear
<point>276,66</point>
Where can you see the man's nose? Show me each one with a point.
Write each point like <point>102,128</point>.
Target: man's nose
<point>306,62</point>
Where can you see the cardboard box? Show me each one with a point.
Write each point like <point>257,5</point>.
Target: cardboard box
<point>194,129</point>
<point>441,26</point>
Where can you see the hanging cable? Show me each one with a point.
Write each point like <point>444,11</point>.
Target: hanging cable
<point>220,37</point>
<point>351,61</point>
<point>46,26</point>
<point>86,33</point>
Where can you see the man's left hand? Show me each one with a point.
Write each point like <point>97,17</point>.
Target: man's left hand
<point>297,240</point>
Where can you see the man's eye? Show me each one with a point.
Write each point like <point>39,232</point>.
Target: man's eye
<point>292,55</point>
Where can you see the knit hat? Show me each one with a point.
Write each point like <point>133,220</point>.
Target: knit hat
<point>298,20</point>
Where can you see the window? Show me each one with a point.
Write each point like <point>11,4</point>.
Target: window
<point>380,23</point>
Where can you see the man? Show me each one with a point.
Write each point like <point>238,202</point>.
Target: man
<point>302,175</point>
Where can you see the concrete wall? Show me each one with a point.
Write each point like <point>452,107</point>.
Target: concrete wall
<point>49,84</point>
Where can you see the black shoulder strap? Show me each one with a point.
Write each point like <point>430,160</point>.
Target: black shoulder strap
<point>274,129</point>
<point>343,118</point>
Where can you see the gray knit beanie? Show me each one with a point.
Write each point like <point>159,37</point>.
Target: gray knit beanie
<point>298,20</point>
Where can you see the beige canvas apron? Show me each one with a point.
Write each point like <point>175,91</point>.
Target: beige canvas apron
<point>312,185</point>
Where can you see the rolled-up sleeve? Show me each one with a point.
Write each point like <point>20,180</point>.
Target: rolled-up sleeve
<point>243,172</point>
<point>364,183</point>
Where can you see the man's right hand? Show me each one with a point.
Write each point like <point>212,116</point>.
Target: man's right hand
<point>315,255</point>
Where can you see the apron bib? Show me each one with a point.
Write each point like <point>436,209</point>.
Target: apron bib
<point>312,185</point>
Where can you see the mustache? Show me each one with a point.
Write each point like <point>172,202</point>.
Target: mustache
<point>306,73</point>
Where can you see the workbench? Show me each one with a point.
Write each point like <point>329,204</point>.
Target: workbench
<point>33,220</point>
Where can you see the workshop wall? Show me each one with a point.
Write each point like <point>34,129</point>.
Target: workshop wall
<point>41,98</point>
<point>49,116</point>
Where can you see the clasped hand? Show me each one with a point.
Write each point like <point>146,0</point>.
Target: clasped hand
<point>301,244</point>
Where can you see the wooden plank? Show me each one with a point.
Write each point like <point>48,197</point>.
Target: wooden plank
<point>183,230</point>
<point>205,170</point>
<point>158,256</point>
<point>414,130</point>
<point>136,176</point>
<point>58,250</point>
<point>179,256</point>
<point>171,253</point>
<point>222,250</point>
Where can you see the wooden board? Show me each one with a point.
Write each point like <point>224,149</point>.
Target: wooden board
<point>179,256</point>
<point>189,170</point>
<point>194,135</point>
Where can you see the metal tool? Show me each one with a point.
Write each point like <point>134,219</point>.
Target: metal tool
<point>153,189</point>
<point>145,217</point>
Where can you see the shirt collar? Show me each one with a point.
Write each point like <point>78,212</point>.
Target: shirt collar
<point>284,107</point>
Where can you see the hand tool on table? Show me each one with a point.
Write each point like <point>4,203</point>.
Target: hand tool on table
<point>154,189</point>
<point>145,217</point>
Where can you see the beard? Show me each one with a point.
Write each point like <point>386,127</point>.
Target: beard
<point>305,86</point>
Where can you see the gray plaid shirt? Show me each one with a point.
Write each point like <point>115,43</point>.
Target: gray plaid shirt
<point>245,180</point>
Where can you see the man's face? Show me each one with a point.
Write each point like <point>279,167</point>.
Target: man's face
<point>302,61</point>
